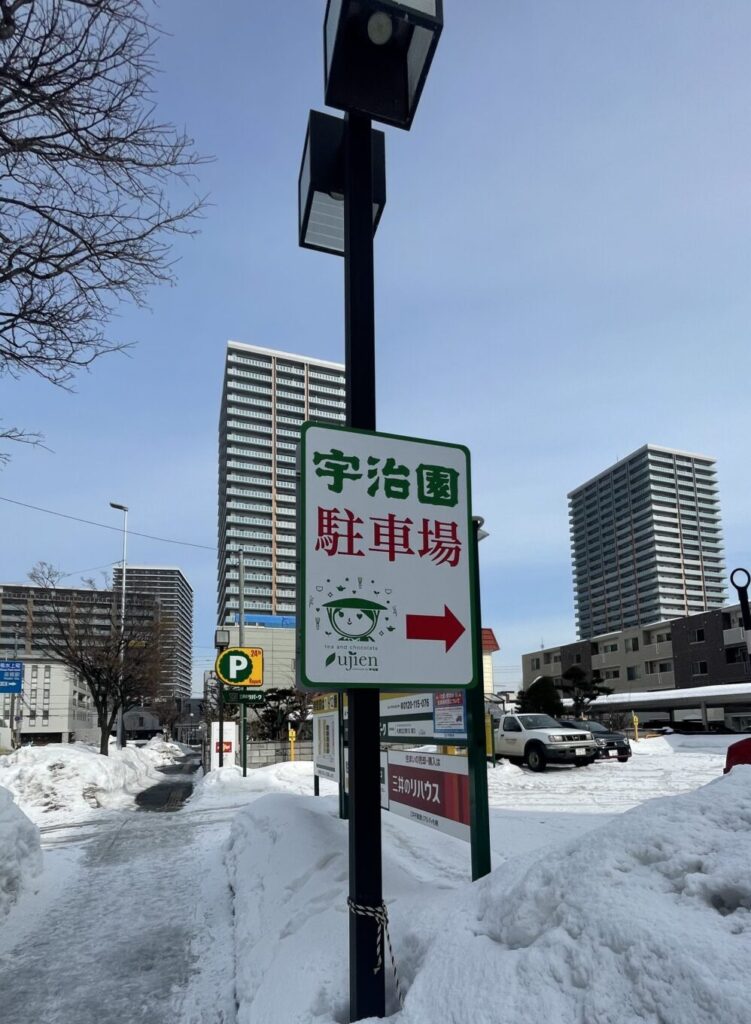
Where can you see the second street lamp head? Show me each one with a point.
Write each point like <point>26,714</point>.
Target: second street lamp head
<point>321,183</point>
<point>122,508</point>
<point>377,54</point>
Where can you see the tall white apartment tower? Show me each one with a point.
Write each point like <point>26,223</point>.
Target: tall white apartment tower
<point>267,396</point>
<point>646,541</point>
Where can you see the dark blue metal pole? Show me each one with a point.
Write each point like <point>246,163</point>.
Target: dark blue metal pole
<point>367,987</point>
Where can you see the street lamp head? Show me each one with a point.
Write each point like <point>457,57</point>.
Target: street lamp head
<point>321,183</point>
<point>122,508</point>
<point>377,54</point>
<point>740,578</point>
<point>221,638</point>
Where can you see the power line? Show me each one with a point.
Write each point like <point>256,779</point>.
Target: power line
<point>77,572</point>
<point>106,526</point>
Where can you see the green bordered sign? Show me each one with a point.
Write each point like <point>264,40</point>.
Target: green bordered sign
<point>386,552</point>
<point>252,697</point>
<point>240,666</point>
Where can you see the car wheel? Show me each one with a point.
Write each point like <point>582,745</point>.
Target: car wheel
<point>623,760</point>
<point>536,758</point>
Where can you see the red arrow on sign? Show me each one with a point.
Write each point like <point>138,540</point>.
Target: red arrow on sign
<point>444,627</point>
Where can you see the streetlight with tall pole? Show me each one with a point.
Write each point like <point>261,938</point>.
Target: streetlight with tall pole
<point>377,54</point>
<point>120,722</point>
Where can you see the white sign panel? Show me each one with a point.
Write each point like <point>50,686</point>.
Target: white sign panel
<point>387,562</point>
<point>414,704</point>
<point>229,740</point>
<point>326,738</point>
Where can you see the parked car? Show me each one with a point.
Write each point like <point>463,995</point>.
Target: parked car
<point>609,744</point>
<point>538,740</point>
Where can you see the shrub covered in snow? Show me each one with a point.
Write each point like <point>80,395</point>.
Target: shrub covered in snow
<point>20,854</point>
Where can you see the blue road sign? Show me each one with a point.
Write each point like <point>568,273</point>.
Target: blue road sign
<point>11,676</point>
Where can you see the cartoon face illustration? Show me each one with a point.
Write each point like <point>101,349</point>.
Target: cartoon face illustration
<point>354,618</point>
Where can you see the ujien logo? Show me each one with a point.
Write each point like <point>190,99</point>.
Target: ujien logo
<point>353,661</point>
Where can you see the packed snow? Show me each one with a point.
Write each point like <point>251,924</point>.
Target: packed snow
<point>20,854</point>
<point>605,905</point>
<point>69,780</point>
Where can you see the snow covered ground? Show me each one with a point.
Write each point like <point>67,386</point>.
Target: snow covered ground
<point>61,781</point>
<point>233,910</point>
<point>20,854</point>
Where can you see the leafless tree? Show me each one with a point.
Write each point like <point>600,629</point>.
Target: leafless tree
<point>82,629</point>
<point>282,708</point>
<point>89,181</point>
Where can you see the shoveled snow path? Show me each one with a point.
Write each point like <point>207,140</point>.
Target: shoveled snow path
<point>131,909</point>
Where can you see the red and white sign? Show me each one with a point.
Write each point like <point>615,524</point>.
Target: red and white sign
<point>387,568</point>
<point>229,744</point>
<point>431,789</point>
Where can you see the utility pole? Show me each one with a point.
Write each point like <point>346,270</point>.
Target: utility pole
<point>14,741</point>
<point>120,722</point>
<point>244,706</point>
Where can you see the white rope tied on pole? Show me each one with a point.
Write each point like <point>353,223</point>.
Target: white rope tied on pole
<point>381,917</point>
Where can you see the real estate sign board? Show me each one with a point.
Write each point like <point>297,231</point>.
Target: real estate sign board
<point>431,789</point>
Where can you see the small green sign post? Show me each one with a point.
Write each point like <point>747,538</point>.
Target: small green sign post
<point>254,700</point>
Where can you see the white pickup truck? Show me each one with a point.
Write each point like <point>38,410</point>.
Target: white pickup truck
<point>538,740</point>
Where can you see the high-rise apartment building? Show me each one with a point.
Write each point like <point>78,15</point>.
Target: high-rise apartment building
<point>266,398</point>
<point>173,597</point>
<point>55,705</point>
<point>646,541</point>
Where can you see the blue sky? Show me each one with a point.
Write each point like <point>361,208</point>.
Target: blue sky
<point>562,276</point>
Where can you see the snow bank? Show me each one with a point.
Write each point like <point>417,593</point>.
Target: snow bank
<point>163,751</point>
<point>227,786</point>
<point>716,743</point>
<point>646,919</point>
<point>20,854</point>
<point>60,780</point>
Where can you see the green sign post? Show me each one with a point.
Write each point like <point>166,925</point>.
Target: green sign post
<point>255,700</point>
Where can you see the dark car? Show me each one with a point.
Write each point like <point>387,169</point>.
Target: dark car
<point>609,744</point>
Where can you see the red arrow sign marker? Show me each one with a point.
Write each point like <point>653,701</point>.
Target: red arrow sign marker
<point>444,627</point>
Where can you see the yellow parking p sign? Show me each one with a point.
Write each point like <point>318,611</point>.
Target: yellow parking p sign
<point>240,666</point>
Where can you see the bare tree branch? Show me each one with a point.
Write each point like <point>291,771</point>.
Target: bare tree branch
<point>121,665</point>
<point>88,180</point>
<point>19,436</point>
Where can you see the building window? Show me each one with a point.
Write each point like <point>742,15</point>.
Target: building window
<point>698,668</point>
<point>609,648</point>
<point>47,673</point>
<point>697,636</point>
<point>34,671</point>
<point>632,643</point>
<point>547,658</point>
<point>612,673</point>
<point>632,672</point>
<point>577,659</point>
<point>535,664</point>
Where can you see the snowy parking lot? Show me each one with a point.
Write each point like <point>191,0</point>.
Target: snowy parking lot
<point>604,905</point>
